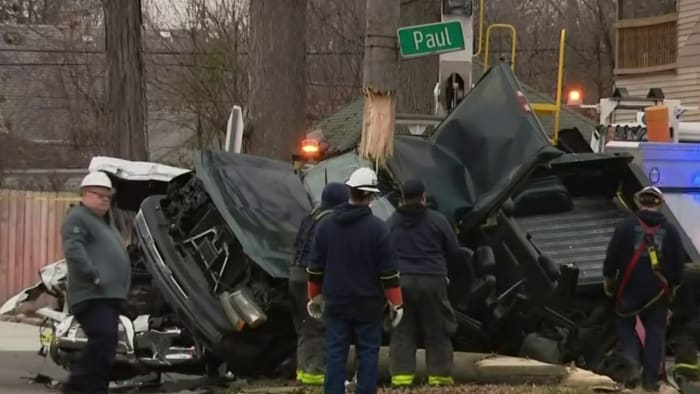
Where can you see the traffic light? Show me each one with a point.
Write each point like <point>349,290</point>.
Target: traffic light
<point>575,97</point>
<point>458,7</point>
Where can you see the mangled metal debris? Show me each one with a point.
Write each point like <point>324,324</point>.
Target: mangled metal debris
<point>210,247</point>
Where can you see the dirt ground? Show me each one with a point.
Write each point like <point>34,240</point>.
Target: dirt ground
<point>461,389</point>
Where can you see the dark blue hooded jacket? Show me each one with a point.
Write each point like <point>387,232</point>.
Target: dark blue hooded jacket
<point>334,194</point>
<point>352,255</point>
<point>423,240</point>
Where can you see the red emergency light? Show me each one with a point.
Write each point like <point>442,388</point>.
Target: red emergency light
<point>575,97</point>
<point>310,147</point>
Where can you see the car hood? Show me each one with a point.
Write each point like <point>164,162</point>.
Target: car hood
<point>261,200</point>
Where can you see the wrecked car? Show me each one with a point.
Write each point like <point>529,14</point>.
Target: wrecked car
<point>217,244</point>
<point>151,338</point>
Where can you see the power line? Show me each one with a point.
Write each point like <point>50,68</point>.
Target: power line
<point>95,51</point>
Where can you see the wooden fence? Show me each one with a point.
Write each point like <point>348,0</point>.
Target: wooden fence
<point>30,224</point>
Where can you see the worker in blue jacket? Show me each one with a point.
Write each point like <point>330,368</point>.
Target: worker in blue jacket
<point>643,269</point>
<point>352,274</point>
<point>311,344</point>
<point>423,242</point>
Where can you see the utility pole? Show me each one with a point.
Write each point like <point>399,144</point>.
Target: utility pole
<point>126,93</point>
<point>380,79</point>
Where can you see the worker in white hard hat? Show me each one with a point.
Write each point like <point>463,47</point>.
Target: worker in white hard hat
<point>642,269</point>
<point>99,273</point>
<point>352,275</point>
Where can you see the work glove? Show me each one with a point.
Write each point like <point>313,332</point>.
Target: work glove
<point>315,307</point>
<point>673,292</point>
<point>395,314</point>
<point>610,287</point>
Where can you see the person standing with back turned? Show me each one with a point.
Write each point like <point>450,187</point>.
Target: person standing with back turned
<point>99,275</point>
<point>311,347</point>
<point>424,242</point>
<point>351,276</point>
<point>643,269</point>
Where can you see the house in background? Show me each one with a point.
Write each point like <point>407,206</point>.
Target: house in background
<point>658,46</point>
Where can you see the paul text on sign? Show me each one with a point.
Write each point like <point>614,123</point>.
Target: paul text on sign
<point>431,38</point>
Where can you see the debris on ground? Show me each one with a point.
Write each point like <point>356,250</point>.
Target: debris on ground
<point>293,388</point>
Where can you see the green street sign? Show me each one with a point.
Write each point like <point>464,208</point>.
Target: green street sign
<point>431,38</point>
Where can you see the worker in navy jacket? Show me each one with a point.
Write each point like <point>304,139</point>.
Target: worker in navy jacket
<point>351,276</point>
<point>642,269</point>
<point>310,332</point>
<point>423,242</point>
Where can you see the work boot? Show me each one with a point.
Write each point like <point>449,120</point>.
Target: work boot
<point>650,386</point>
<point>631,375</point>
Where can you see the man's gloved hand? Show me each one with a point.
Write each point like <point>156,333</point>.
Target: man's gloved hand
<point>673,292</point>
<point>315,307</point>
<point>610,286</point>
<point>395,314</point>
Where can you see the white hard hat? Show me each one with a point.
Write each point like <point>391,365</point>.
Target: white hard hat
<point>653,191</point>
<point>365,179</point>
<point>649,196</point>
<point>96,178</point>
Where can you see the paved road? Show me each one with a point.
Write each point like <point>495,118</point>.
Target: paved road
<point>20,363</point>
<point>18,369</point>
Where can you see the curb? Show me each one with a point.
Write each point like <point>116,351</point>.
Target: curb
<point>21,318</point>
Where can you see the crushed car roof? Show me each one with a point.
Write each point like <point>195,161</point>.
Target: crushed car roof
<point>480,153</point>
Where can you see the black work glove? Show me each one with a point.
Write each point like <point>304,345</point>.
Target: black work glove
<point>610,287</point>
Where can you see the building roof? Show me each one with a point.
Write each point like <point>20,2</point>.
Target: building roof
<point>343,128</point>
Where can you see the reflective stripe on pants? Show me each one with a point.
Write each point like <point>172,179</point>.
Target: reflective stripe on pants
<point>402,380</point>
<point>427,314</point>
<point>440,380</point>
<point>314,379</point>
<point>311,345</point>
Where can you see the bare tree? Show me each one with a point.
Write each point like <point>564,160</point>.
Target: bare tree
<point>335,45</point>
<point>589,41</point>
<point>212,72</point>
<point>126,96</point>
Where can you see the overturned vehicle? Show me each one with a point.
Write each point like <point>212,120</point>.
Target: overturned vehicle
<point>534,220</point>
<point>210,247</point>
